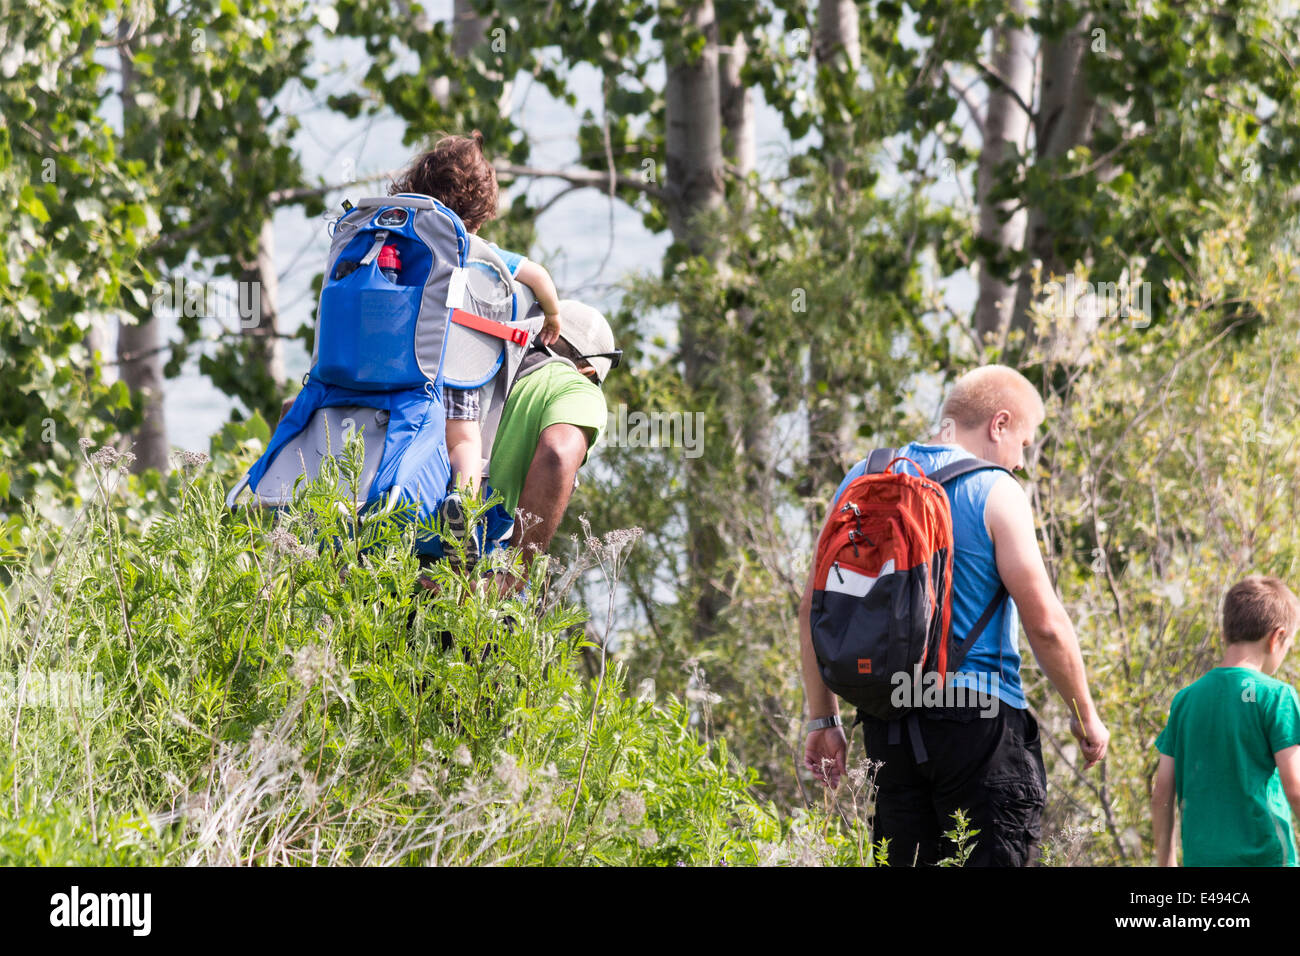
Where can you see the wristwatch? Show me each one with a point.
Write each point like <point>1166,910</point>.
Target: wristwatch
<point>821,723</point>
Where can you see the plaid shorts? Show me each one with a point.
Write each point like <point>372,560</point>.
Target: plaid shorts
<point>461,404</point>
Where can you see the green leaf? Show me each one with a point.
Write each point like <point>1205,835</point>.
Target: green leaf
<point>258,428</point>
<point>119,395</point>
<point>37,209</point>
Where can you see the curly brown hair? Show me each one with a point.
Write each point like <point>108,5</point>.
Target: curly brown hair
<point>457,174</point>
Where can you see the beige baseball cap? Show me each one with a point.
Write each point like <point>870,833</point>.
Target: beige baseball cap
<point>586,330</point>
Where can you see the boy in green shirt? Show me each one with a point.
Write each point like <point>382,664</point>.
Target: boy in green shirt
<point>1231,749</point>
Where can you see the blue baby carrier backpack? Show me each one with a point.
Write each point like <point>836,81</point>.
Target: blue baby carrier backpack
<point>387,342</point>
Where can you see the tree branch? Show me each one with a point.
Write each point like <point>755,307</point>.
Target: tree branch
<point>991,74</point>
<point>1104,157</point>
<point>580,177</point>
<point>279,197</point>
<point>282,197</point>
<point>964,94</point>
<point>1261,120</point>
<point>127,358</point>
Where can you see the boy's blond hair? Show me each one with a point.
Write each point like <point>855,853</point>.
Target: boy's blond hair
<point>1255,606</point>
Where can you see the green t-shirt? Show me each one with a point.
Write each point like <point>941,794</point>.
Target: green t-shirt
<point>1223,731</point>
<point>554,393</point>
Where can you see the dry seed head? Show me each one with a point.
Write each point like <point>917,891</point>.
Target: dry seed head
<point>511,776</point>
<point>632,807</point>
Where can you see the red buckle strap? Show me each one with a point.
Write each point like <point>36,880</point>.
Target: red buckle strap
<point>500,330</point>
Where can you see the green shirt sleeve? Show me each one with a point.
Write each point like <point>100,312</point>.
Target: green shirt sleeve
<point>575,400</point>
<point>1165,742</point>
<point>1168,738</point>
<point>553,394</point>
<point>1283,719</point>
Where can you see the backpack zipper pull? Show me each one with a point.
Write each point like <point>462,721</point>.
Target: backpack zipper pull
<point>835,566</point>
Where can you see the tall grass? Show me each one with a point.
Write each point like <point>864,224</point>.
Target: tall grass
<point>275,690</point>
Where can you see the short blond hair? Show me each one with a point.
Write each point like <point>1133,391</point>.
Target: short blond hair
<point>983,392</point>
<point>1255,606</point>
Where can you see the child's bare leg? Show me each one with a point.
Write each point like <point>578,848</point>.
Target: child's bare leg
<point>465,453</point>
<point>465,450</point>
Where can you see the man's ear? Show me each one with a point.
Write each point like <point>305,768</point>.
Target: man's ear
<point>999,425</point>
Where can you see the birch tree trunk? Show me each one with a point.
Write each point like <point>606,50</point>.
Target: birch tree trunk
<point>693,137</point>
<point>830,425</point>
<point>1005,127</point>
<point>1065,119</point>
<point>750,401</point>
<point>260,329</point>
<point>693,146</point>
<point>737,111</point>
<point>838,35</point>
<point>139,344</point>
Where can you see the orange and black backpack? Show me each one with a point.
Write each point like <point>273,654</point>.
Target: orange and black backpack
<point>882,588</point>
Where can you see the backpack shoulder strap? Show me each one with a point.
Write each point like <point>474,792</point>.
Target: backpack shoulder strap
<point>879,460</point>
<point>963,467</point>
<point>959,654</point>
<point>942,476</point>
<point>537,356</point>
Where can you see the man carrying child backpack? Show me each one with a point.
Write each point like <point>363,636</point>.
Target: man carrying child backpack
<point>911,612</point>
<point>414,299</point>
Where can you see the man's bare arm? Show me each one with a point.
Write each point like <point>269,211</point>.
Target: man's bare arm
<point>1010,523</point>
<point>821,702</point>
<point>548,487</point>
<point>824,750</point>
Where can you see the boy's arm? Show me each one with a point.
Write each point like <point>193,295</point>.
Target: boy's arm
<point>1288,768</point>
<point>1010,523</point>
<point>1162,812</point>
<point>539,280</point>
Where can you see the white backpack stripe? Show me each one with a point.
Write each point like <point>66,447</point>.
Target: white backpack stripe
<point>844,580</point>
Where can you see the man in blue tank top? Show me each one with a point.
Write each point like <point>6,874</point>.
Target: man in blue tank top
<point>983,759</point>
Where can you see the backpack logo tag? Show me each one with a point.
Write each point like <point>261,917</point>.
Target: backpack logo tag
<point>864,665</point>
<point>392,218</point>
<point>456,288</point>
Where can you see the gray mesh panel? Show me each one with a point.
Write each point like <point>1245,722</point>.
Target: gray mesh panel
<point>325,434</point>
<point>439,234</point>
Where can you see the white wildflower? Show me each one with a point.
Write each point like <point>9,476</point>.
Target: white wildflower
<point>631,806</point>
<point>511,776</point>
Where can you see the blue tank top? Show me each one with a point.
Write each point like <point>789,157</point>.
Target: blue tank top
<point>974,573</point>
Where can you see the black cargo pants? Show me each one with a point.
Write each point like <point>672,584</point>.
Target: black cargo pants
<point>937,760</point>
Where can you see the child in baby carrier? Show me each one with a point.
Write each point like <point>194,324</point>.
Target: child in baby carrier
<point>457,174</point>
